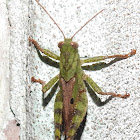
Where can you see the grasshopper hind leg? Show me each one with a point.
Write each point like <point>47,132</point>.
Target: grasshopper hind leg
<point>58,118</point>
<point>80,129</point>
<point>80,111</point>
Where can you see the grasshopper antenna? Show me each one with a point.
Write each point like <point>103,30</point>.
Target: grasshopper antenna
<point>50,17</point>
<point>87,23</point>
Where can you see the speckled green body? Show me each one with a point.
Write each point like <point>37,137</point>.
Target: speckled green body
<point>69,61</point>
<point>71,101</point>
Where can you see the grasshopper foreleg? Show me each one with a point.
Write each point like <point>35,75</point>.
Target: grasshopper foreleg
<point>45,51</point>
<point>99,58</point>
<point>97,89</point>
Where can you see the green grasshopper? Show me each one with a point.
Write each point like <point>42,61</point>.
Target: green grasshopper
<point>71,101</point>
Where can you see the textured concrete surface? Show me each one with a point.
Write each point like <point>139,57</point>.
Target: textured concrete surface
<point>12,70</point>
<point>5,111</point>
<point>114,31</point>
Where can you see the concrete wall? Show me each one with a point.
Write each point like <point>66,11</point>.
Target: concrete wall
<point>115,31</point>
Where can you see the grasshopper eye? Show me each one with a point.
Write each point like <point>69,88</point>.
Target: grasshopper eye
<point>60,44</point>
<point>74,44</point>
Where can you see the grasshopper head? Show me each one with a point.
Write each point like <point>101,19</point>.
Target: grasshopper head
<point>69,58</point>
<point>68,42</point>
<point>68,48</point>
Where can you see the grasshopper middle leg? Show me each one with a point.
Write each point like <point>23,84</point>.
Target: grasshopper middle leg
<point>97,89</point>
<point>46,87</point>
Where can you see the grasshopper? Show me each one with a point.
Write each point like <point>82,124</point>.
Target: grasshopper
<point>70,105</point>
